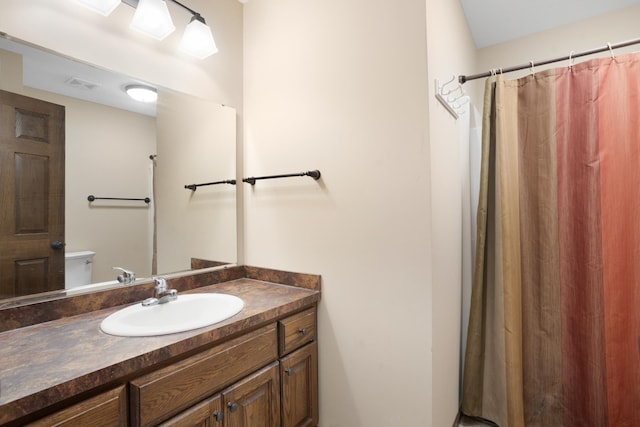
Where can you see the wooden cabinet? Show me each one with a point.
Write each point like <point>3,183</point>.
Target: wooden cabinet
<point>106,409</point>
<point>297,330</point>
<point>157,396</point>
<point>254,401</point>
<point>205,414</point>
<point>299,369</point>
<point>299,387</point>
<point>264,378</point>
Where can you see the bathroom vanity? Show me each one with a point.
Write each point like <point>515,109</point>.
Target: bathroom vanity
<point>257,368</point>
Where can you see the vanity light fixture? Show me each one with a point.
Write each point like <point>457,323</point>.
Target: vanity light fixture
<point>103,7</point>
<point>197,39</point>
<point>152,18</point>
<point>142,93</point>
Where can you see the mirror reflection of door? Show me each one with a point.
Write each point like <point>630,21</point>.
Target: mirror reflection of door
<point>32,135</point>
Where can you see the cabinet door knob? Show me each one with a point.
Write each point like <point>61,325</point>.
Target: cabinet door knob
<point>288,371</point>
<point>232,406</point>
<point>217,415</point>
<point>302,331</point>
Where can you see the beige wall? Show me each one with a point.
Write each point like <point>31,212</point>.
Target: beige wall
<point>107,155</point>
<point>196,144</point>
<point>343,87</point>
<point>10,71</point>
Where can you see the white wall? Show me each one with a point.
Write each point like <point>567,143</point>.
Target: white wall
<point>451,52</point>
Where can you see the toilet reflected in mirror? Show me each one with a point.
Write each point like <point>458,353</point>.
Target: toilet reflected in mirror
<point>78,268</point>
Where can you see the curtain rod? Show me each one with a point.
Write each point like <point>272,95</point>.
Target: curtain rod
<point>464,79</point>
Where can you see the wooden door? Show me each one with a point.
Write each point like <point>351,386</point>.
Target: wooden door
<point>254,401</point>
<point>299,379</point>
<point>31,195</point>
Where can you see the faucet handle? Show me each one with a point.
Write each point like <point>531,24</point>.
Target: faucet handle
<point>161,284</point>
<point>126,277</point>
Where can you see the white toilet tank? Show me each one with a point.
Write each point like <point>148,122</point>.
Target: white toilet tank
<point>77,267</point>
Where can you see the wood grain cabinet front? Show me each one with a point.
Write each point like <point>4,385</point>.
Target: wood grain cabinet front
<point>299,369</point>
<point>297,330</point>
<point>106,409</point>
<point>205,414</point>
<point>299,387</point>
<point>254,401</point>
<point>161,394</point>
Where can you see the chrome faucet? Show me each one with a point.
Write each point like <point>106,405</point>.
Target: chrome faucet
<point>127,277</point>
<point>162,294</point>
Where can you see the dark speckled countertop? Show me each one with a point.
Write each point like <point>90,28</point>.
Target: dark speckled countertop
<point>49,362</point>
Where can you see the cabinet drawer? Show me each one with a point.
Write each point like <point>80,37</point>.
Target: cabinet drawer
<point>106,409</point>
<point>297,330</point>
<point>165,392</point>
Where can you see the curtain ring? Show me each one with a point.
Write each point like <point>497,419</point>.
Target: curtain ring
<point>571,59</point>
<point>611,51</point>
<point>533,69</point>
<point>500,70</point>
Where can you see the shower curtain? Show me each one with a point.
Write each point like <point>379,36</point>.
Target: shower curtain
<point>554,329</point>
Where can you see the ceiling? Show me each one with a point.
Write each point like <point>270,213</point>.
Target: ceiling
<point>496,21</point>
<point>55,73</point>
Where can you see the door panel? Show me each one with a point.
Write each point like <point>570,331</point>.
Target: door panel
<point>31,195</point>
<point>254,401</point>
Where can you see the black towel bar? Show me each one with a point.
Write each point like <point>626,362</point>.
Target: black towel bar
<point>91,198</point>
<point>315,174</point>
<point>193,187</point>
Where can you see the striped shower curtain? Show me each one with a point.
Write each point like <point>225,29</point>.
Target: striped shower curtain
<point>554,329</point>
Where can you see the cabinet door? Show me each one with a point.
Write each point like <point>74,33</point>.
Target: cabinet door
<point>204,414</point>
<point>254,401</point>
<point>106,409</point>
<point>299,380</point>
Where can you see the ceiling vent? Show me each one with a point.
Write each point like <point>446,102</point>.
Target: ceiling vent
<point>81,84</point>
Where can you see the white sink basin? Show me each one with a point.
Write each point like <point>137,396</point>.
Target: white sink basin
<point>184,314</point>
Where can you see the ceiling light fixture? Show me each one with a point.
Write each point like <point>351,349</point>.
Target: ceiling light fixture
<point>152,18</point>
<point>142,93</point>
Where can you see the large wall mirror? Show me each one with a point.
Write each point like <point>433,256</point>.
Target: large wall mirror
<point>116,148</point>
